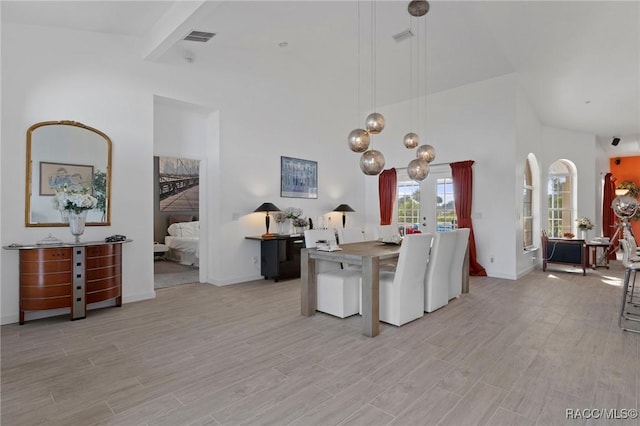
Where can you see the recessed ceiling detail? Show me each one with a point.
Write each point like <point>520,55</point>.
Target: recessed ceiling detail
<point>200,36</point>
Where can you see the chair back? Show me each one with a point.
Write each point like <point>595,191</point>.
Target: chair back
<point>457,261</point>
<point>311,236</point>
<point>626,252</point>
<point>438,275</point>
<point>350,235</point>
<point>383,231</point>
<point>412,260</point>
<point>632,244</point>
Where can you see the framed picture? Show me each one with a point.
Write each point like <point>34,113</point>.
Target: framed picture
<point>55,175</point>
<point>178,184</point>
<point>298,178</point>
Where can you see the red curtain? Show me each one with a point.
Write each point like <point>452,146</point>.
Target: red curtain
<point>608,217</point>
<point>462,176</point>
<point>387,184</point>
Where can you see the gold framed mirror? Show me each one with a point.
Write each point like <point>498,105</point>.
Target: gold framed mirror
<point>66,154</point>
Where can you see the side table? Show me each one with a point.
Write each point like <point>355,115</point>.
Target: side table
<point>593,247</point>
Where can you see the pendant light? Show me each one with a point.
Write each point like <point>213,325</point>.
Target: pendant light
<point>418,169</point>
<point>372,161</point>
<point>418,8</point>
<point>375,121</point>
<point>411,139</point>
<point>358,139</point>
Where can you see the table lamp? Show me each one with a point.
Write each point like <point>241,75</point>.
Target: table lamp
<point>267,207</point>
<point>344,208</point>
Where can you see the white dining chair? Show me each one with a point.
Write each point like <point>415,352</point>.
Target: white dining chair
<point>338,290</point>
<point>634,251</point>
<point>459,251</point>
<point>350,235</point>
<point>438,275</point>
<point>629,307</point>
<point>402,291</point>
<point>383,232</point>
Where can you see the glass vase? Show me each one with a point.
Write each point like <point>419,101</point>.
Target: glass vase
<point>583,234</point>
<point>76,223</point>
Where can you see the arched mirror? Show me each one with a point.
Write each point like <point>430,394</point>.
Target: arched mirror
<point>66,154</point>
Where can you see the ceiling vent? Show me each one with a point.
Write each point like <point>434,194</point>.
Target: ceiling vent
<point>200,36</point>
<point>403,35</point>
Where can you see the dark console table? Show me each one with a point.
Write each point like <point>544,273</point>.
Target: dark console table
<point>560,250</point>
<point>280,256</point>
<point>69,276</point>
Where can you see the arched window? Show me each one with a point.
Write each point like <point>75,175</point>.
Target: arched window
<point>527,206</point>
<point>561,193</point>
<point>530,201</point>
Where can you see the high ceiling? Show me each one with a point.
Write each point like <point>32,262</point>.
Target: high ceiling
<point>578,61</point>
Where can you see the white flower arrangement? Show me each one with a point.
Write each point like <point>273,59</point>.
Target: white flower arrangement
<point>292,212</point>
<point>584,223</point>
<point>75,201</point>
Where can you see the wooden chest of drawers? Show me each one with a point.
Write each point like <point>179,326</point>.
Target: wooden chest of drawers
<point>69,276</point>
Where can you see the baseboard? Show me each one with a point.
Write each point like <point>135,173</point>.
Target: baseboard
<point>526,271</point>
<point>502,276</point>
<point>235,280</point>
<point>138,297</point>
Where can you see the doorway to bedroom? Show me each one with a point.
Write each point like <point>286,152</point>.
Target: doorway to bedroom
<point>176,221</point>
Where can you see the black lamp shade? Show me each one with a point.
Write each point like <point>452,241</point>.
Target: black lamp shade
<point>267,207</point>
<point>344,208</point>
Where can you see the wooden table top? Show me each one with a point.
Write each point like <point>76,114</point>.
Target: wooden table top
<point>354,252</point>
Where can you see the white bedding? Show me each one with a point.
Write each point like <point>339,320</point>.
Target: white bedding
<point>184,242</point>
<point>189,245</point>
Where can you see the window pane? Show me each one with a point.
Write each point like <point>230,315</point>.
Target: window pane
<point>560,198</point>
<point>446,218</point>
<point>408,204</point>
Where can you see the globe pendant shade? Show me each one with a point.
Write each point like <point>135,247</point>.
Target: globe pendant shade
<point>418,170</point>
<point>371,162</point>
<point>426,153</point>
<point>410,140</point>
<point>375,123</point>
<point>359,140</point>
<point>418,8</point>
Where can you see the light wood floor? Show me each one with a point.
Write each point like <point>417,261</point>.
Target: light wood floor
<point>510,352</point>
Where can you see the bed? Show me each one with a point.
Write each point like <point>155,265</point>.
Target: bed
<point>184,243</point>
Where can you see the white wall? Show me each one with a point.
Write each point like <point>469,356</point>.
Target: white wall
<point>99,80</point>
<point>580,148</point>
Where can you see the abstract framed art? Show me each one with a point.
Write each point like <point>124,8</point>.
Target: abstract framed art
<point>298,178</point>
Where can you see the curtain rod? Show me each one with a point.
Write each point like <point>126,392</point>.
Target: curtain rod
<point>431,165</point>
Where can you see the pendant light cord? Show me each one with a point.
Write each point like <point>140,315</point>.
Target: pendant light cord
<point>373,56</point>
<point>358,79</point>
<point>425,82</point>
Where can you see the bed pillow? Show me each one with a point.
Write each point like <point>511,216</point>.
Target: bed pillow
<point>185,229</point>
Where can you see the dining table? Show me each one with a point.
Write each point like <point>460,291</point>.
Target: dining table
<point>367,254</point>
